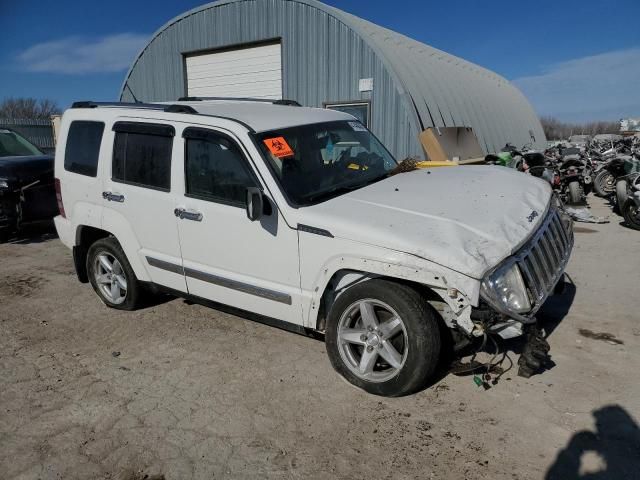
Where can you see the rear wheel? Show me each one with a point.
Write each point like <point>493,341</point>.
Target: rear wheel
<point>621,194</point>
<point>631,214</point>
<point>111,275</point>
<point>575,193</point>
<point>383,337</point>
<point>604,184</point>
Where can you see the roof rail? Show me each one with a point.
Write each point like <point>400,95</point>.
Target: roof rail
<point>289,103</point>
<point>162,107</point>
<point>174,108</point>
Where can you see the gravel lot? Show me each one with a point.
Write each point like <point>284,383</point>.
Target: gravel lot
<point>184,391</point>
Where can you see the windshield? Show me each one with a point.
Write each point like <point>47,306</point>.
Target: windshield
<point>316,162</point>
<point>14,145</point>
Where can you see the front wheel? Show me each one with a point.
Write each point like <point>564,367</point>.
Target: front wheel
<point>575,193</point>
<point>604,183</point>
<point>631,214</point>
<point>111,275</point>
<point>383,337</point>
<point>621,194</point>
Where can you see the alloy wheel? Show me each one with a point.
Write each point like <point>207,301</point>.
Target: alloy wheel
<point>372,340</point>
<point>110,278</point>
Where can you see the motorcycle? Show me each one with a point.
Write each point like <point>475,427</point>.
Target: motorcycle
<point>574,179</point>
<point>569,180</point>
<point>604,182</point>
<point>509,156</point>
<point>538,165</point>
<point>630,169</point>
<point>631,208</point>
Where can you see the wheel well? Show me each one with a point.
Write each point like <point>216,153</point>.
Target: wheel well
<point>343,279</point>
<point>85,237</point>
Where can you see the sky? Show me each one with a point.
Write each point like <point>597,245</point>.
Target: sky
<point>576,60</point>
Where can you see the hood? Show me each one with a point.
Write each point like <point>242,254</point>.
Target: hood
<point>466,218</point>
<point>26,169</point>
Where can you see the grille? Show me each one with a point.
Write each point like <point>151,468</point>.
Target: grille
<point>543,259</point>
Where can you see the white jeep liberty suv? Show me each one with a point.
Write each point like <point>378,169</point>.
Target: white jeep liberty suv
<point>295,214</point>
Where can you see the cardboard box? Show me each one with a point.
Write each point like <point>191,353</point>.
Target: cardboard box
<point>458,144</point>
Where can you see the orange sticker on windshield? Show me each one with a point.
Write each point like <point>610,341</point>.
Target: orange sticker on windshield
<point>279,147</point>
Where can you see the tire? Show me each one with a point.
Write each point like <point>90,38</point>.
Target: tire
<point>631,214</point>
<point>365,357</point>
<point>117,285</point>
<point>604,183</point>
<point>575,193</point>
<point>621,194</point>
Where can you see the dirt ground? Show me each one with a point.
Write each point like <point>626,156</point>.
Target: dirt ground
<point>184,391</point>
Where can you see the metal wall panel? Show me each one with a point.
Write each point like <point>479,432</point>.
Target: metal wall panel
<point>325,52</point>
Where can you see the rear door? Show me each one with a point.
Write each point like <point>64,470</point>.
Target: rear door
<point>251,265</point>
<point>138,199</point>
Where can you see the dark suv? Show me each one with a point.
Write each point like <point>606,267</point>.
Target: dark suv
<point>27,191</point>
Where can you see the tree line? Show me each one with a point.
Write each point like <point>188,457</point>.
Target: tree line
<point>28,108</point>
<point>555,129</point>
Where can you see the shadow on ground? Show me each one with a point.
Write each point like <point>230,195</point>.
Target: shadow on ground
<point>557,307</point>
<point>37,233</point>
<point>615,444</point>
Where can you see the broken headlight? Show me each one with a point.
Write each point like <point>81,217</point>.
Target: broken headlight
<point>504,289</point>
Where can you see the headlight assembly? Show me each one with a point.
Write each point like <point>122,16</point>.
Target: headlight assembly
<point>4,183</point>
<point>505,289</point>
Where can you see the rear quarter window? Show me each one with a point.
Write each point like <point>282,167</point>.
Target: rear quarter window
<point>83,147</point>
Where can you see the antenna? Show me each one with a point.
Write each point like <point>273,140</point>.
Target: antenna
<point>131,92</point>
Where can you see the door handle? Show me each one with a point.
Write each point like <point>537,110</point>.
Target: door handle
<point>113,197</point>
<point>184,214</point>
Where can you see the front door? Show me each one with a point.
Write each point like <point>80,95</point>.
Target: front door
<point>227,258</point>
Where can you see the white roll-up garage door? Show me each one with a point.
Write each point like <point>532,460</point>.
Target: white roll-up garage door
<point>247,72</point>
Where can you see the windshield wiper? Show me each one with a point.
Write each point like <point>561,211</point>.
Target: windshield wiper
<point>341,189</point>
<point>332,192</point>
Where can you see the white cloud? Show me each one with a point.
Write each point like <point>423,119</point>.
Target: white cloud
<point>599,87</point>
<point>77,55</point>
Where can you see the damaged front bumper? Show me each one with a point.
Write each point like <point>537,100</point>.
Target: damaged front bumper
<point>540,264</point>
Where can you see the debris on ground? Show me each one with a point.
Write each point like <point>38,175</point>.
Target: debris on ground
<point>583,214</point>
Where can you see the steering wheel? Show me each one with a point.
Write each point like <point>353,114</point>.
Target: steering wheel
<point>370,160</point>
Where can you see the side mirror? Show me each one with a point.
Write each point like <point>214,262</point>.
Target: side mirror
<point>255,204</point>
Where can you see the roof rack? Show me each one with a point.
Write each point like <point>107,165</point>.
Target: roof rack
<point>162,107</point>
<point>286,102</point>
<point>174,108</point>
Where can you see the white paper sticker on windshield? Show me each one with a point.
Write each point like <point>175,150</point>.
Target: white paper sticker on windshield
<point>358,127</point>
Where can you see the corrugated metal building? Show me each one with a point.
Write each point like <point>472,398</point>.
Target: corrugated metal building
<point>320,56</point>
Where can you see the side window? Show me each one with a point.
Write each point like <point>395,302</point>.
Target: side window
<point>83,147</point>
<point>360,110</point>
<point>142,155</point>
<point>215,168</point>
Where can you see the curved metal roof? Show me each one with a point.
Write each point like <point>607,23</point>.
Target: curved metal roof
<point>436,88</point>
